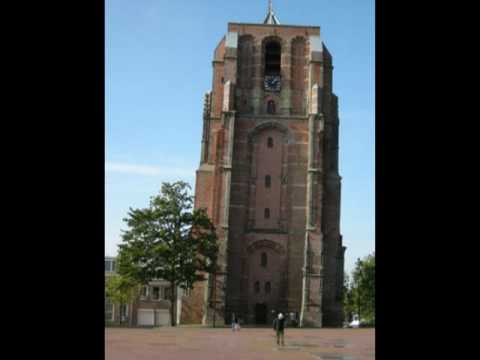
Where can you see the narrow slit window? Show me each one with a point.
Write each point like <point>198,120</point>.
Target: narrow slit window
<point>268,287</point>
<point>270,142</point>
<point>267,213</point>
<point>263,260</point>
<point>268,181</point>
<point>271,107</point>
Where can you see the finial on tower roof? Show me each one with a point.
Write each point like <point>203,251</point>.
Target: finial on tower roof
<point>271,19</point>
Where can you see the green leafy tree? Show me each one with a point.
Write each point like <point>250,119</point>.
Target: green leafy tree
<point>363,287</point>
<point>359,290</point>
<point>122,290</point>
<point>348,302</point>
<point>170,241</point>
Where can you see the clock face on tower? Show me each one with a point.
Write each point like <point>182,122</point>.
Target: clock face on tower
<point>272,83</point>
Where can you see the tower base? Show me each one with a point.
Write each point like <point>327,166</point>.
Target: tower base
<point>312,318</point>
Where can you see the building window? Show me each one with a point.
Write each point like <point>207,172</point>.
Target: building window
<point>270,142</point>
<point>144,292</point>
<point>267,213</point>
<point>167,293</point>
<point>263,260</point>
<point>155,293</point>
<point>257,287</point>
<point>268,287</point>
<point>268,181</point>
<point>271,107</point>
<point>110,265</point>
<point>108,310</point>
<point>273,52</point>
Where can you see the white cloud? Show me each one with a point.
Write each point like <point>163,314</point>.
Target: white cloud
<point>148,170</point>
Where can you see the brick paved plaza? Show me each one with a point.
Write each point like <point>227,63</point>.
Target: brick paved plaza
<point>185,343</point>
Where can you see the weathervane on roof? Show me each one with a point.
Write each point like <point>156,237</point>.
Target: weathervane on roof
<point>271,19</point>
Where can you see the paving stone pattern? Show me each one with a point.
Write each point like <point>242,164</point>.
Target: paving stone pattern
<point>198,343</point>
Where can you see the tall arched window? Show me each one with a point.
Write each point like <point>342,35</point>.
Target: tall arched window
<point>257,287</point>
<point>273,52</point>
<point>263,260</point>
<point>268,181</point>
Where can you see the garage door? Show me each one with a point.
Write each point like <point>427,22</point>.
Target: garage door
<point>146,317</point>
<point>163,317</point>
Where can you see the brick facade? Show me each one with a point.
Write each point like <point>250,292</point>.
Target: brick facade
<point>269,180</point>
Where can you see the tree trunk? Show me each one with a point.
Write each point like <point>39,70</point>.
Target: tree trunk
<point>358,306</point>
<point>120,314</point>
<point>172,303</point>
<point>130,315</point>
<point>214,297</point>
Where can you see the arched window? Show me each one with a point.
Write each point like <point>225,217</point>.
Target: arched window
<point>270,142</point>
<point>263,260</point>
<point>271,107</point>
<point>268,287</point>
<point>268,181</point>
<point>267,213</point>
<point>273,52</point>
<point>257,287</point>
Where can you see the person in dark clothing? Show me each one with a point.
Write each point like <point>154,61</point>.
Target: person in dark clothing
<point>234,322</point>
<point>279,327</point>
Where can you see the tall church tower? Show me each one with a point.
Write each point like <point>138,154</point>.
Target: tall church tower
<point>269,179</point>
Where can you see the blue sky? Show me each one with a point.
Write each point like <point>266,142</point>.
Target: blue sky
<point>158,67</point>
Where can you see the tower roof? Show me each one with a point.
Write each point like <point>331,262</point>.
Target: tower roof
<point>271,19</point>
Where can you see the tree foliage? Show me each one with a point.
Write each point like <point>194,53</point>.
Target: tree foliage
<point>359,290</point>
<point>348,304</point>
<point>168,240</point>
<point>121,290</point>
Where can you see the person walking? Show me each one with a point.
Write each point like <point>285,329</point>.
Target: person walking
<point>279,327</point>
<point>234,322</point>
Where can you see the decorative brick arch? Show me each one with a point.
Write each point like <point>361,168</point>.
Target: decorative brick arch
<point>266,244</point>
<point>298,39</point>
<point>270,38</point>
<point>270,124</point>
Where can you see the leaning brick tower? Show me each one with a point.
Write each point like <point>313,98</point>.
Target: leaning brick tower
<point>268,177</point>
